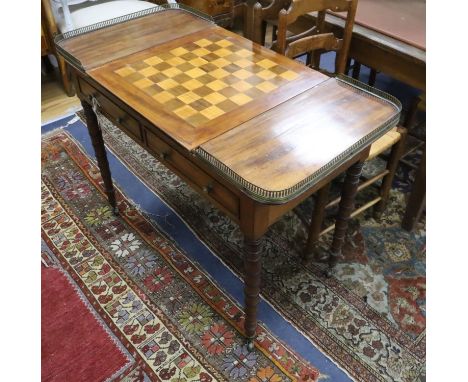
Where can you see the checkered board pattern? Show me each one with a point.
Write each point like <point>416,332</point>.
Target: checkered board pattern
<point>205,79</point>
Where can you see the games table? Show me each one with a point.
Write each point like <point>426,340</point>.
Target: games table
<point>253,131</point>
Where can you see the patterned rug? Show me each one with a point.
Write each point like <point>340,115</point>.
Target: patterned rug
<point>172,321</point>
<point>369,318</point>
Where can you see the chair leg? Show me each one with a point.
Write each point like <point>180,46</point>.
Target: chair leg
<point>316,223</point>
<point>412,113</point>
<point>348,66</point>
<point>67,84</point>
<point>372,77</point>
<point>417,199</point>
<point>356,70</point>
<point>392,165</point>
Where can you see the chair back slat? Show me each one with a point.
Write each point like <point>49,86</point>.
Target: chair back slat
<point>302,7</point>
<point>326,41</point>
<point>316,40</point>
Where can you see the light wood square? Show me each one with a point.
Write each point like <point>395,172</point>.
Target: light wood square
<point>188,97</point>
<point>198,61</point>
<point>241,86</point>
<point>266,63</point>
<point>201,52</point>
<point>153,60</point>
<point>215,98</point>
<point>242,74</point>
<point>219,73</point>
<point>192,84</point>
<point>244,53</point>
<point>178,51</point>
<point>195,73</point>
<point>222,52</point>
<point>224,43</point>
<point>243,63</point>
<point>147,72</point>
<point>212,112</point>
<point>125,71</point>
<point>185,111</point>
<point>143,83</point>
<point>167,84</point>
<point>266,87</point>
<point>216,85</point>
<point>241,99</point>
<point>266,75</point>
<point>220,62</point>
<point>163,97</point>
<point>289,75</point>
<point>203,42</point>
<point>172,72</point>
<point>175,61</point>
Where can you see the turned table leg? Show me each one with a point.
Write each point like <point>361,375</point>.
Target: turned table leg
<point>252,271</point>
<point>346,207</point>
<point>98,144</point>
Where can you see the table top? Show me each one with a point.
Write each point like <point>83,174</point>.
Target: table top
<point>404,20</point>
<point>266,123</point>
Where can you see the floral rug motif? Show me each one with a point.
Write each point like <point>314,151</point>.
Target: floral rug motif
<point>369,318</point>
<point>166,312</point>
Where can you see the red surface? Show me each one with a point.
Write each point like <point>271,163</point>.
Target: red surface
<point>404,20</point>
<point>75,347</point>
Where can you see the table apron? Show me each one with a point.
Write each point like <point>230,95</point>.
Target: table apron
<point>253,217</point>
<point>176,158</point>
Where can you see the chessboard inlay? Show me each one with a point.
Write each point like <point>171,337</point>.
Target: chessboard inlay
<point>205,79</point>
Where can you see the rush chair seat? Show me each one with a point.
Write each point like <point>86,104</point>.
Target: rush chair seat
<point>313,43</point>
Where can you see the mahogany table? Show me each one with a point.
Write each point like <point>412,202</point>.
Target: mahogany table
<point>389,36</point>
<point>253,131</point>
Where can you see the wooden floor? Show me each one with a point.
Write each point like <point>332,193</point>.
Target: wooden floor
<point>54,101</point>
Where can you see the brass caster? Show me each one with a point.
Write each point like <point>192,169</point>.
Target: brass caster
<point>328,272</point>
<point>250,344</point>
<point>115,211</point>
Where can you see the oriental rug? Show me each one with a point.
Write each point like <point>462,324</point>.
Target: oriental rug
<point>369,318</point>
<point>166,319</point>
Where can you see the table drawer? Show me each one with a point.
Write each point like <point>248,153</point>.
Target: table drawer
<point>113,112</point>
<point>209,186</point>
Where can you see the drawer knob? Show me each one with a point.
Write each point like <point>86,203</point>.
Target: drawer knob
<point>208,188</point>
<point>119,119</point>
<point>165,155</point>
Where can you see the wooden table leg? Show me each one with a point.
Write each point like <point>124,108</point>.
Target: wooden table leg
<point>252,278</point>
<point>417,199</point>
<point>346,207</point>
<point>98,144</point>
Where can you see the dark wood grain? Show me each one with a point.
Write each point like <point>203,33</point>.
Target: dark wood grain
<point>278,149</point>
<point>120,40</point>
<point>350,187</point>
<point>98,144</point>
<point>222,11</point>
<point>252,279</point>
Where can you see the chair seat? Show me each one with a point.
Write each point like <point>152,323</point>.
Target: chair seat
<point>384,143</point>
<point>105,11</point>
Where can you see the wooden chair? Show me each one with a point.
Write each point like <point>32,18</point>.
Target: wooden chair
<point>258,14</point>
<point>314,42</point>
